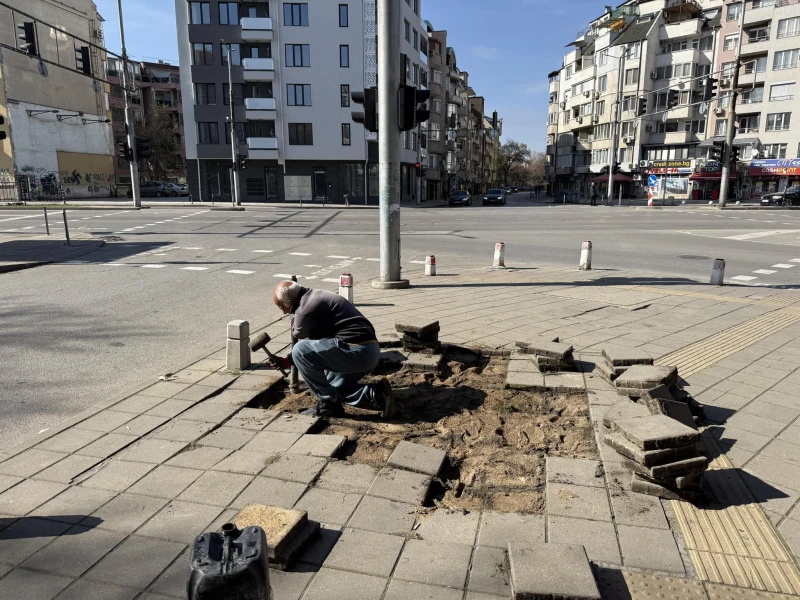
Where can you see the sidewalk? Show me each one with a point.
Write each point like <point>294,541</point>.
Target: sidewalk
<point>107,505</point>
<point>19,252</point>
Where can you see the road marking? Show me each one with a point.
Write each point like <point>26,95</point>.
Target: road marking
<point>311,277</point>
<point>374,259</point>
<point>417,262</point>
<point>226,249</point>
<point>764,272</point>
<point>331,280</point>
<point>758,234</point>
<point>783,266</point>
<point>261,251</point>
<point>300,253</point>
<point>192,248</point>
<point>743,278</point>
<point>283,275</point>
<point>337,256</point>
<point>76,262</point>
<point>115,264</point>
<point>795,260</point>
<point>238,272</point>
<point>313,266</point>
<point>153,266</point>
<point>194,268</point>
<point>160,254</point>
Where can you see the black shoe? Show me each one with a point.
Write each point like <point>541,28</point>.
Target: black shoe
<point>325,410</point>
<point>384,398</point>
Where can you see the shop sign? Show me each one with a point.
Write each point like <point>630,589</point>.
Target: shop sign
<point>776,162</point>
<point>777,171</point>
<point>710,166</point>
<point>670,170</point>
<point>673,164</point>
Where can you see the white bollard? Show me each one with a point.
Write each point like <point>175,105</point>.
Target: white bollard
<point>238,347</point>
<point>718,272</point>
<point>586,256</point>
<point>499,255</point>
<point>346,286</point>
<point>430,265</point>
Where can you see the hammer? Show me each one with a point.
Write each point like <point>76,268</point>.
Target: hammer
<point>260,341</point>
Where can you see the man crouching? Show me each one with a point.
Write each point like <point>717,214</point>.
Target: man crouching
<point>336,346</point>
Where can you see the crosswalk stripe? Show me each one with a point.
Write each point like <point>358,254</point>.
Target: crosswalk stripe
<point>239,272</point>
<point>153,266</point>
<point>195,269</point>
<point>331,280</point>
<point>743,278</point>
<point>764,272</point>
<point>337,256</point>
<point>783,266</point>
<point>261,251</point>
<point>300,253</point>
<point>284,276</point>
<point>226,249</point>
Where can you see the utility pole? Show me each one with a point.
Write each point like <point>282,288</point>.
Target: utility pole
<point>388,143</point>
<point>235,198</point>
<point>726,158</point>
<point>137,200</point>
<point>616,125</point>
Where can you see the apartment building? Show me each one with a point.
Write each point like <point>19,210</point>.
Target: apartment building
<point>57,122</point>
<point>294,65</point>
<point>157,87</point>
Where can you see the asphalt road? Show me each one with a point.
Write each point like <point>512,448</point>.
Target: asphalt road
<point>74,334</point>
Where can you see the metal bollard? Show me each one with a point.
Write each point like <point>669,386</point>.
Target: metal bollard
<point>430,265</point>
<point>46,222</point>
<point>586,256</point>
<point>346,286</point>
<point>237,355</point>
<point>294,380</point>
<point>718,272</point>
<point>499,255</point>
<point>66,227</point>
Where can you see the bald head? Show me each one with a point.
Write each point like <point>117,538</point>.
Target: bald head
<point>285,295</point>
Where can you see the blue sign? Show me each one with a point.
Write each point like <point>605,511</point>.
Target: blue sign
<point>652,180</point>
<point>776,162</point>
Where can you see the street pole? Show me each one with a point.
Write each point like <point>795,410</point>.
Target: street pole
<point>615,126</point>
<point>199,183</point>
<point>388,143</point>
<point>129,130</point>
<point>235,199</point>
<point>726,158</point>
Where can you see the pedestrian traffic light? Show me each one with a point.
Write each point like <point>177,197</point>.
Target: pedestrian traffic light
<point>717,150</point>
<point>128,153</point>
<point>672,98</point>
<point>369,117</point>
<point>241,162</point>
<point>28,37</point>
<point>710,89</point>
<point>418,167</point>
<point>424,172</point>
<point>142,149</point>
<point>2,133</point>
<point>734,156</point>
<point>122,150</point>
<point>410,115</point>
<point>83,60</point>
<point>641,106</point>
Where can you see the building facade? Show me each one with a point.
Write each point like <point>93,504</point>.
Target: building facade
<point>293,68</point>
<point>59,140</point>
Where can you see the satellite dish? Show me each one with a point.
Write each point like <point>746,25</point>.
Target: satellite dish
<point>635,123</point>
<point>493,133</point>
<point>664,117</point>
<point>703,108</point>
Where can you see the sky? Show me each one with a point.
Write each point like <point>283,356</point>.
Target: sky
<point>507,46</point>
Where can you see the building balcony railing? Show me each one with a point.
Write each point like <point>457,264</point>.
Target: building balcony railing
<point>260,109</point>
<point>259,69</point>
<point>256,29</point>
<point>264,148</point>
<point>684,29</point>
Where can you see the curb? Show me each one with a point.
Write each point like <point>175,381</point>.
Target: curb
<point>39,207</point>
<point>11,266</point>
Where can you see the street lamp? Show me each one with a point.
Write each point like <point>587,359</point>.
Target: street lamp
<point>235,199</point>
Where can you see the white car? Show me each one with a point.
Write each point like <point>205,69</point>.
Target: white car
<point>180,189</point>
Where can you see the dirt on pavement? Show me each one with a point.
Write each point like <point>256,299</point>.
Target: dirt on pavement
<point>496,439</point>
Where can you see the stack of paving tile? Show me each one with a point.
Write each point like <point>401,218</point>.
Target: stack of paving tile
<point>617,360</point>
<point>661,452</point>
<point>288,531</point>
<point>549,356</point>
<point>421,337</point>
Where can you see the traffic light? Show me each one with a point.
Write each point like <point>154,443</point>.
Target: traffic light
<point>410,115</point>
<point>717,150</point>
<point>241,162</point>
<point>122,150</point>
<point>424,172</point>
<point>710,89</point>
<point>641,106</point>
<point>672,98</point>
<point>83,61</point>
<point>734,156</point>
<point>28,37</point>
<point>369,117</point>
<point>142,149</point>
<point>615,168</point>
<point>494,120</point>
<point>418,167</point>
<point>2,133</point>
<point>128,153</point>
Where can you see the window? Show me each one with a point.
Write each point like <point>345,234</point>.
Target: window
<point>415,39</point>
<point>629,103</point>
<point>602,57</point>
<point>749,124</point>
<point>734,10</point>
<point>437,106</point>
<point>407,31</point>
<point>259,90</point>
<point>205,93</point>
<point>633,50</point>
<point>345,134</point>
<point>781,91</point>
<point>758,34</point>
<point>703,43</point>
<point>753,96</point>
<point>344,16</point>
<point>661,100</point>
<point>730,41</point>
<point>674,46</point>
<point>413,140</point>
<point>433,131</point>
<point>199,13</point>
<point>344,91</point>
<point>241,138</point>
<point>437,77</point>
<point>416,7</point>
<point>789,27</point>
<point>236,55</point>
<point>423,45</point>
<point>300,134</point>
<point>238,94</point>
<point>586,109</point>
<point>778,121</point>
<point>295,15</point>
<point>786,59</point>
<point>600,157</point>
<point>775,150</point>
<point>298,55</point>
<point>202,54</point>
<point>568,72</point>
<point>298,94</point>
<point>600,107</point>
<point>727,69</point>
<point>415,73</point>
<point>631,76</point>
<point>628,129</point>
<point>228,13</point>
<point>695,126</point>
<point>763,3</point>
<point>602,83</point>
<point>758,65</point>
<point>702,70</point>
<point>724,99</point>
<point>602,132</point>
<point>721,127</point>
<point>668,127</point>
<point>344,55</point>
<point>208,133</point>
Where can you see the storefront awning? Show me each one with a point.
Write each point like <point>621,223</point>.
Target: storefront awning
<point>741,142</point>
<point>617,178</point>
<point>710,176</point>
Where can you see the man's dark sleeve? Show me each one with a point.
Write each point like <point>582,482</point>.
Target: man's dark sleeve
<point>302,327</point>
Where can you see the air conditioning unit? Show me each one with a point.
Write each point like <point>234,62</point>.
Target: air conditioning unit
<point>719,111</point>
<point>653,75</point>
<point>648,128</point>
<point>725,83</point>
<point>642,164</point>
<point>595,119</point>
<point>596,95</point>
<point>587,94</point>
<point>563,105</point>
<point>627,140</point>
<point>579,119</point>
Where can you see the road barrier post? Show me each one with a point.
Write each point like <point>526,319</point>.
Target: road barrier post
<point>346,286</point>
<point>237,355</point>
<point>46,222</point>
<point>66,227</point>
<point>718,272</point>
<point>586,256</point>
<point>499,255</point>
<point>430,265</point>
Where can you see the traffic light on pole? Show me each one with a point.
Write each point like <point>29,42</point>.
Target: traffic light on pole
<point>142,149</point>
<point>734,156</point>
<point>641,106</point>
<point>710,89</point>
<point>369,117</point>
<point>717,150</point>
<point>672,98</point>
<point>615,168</point>
<point>410,115</point>
<point>241,162</point>
<point>2,133</point>
<point>28,37</point>
<point>122,150</point>
<point>83,60</point>
<point>418,167</point>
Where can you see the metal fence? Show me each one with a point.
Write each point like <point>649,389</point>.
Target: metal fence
<point>30,187</point>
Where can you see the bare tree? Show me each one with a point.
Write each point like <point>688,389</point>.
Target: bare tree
<point>512,153</point>
<point>165,144</point>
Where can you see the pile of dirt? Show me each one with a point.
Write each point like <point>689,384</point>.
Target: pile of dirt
<point>496,439</point>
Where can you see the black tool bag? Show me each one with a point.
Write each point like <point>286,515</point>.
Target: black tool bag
<point>229,566</point>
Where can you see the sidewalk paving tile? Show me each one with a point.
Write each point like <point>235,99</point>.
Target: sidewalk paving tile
<point>189,376</point>
<point>316,553</point>
<point>772,412</point>
<point>109,444</point>
<point>409,590</point>
<point>639,510</point>
<point>574,471</point>
<point>136,562</point>
<point>783,473</point>
<point>219,379</point>
<point>345,476</point>
<point>318,445</point>
<point>125,513</point>
<point>170,408</point>
<point>349,552</point>
<point>286,585</point>
<point>217,488</point>
<point>232,438</point>
<point>182,430</point>
<point>255,382</point>
<point>598,537</point>
<point>30,461</point>
<point>141,425</point>
<point>22,539</point>
<point>452,526</point>
<point>22,584</point>
<point>137,404</point>
<point>790,435</point>
<point>733,436</point>
<point>167,389</point>
<point>272,492</point>
<point>250,463</point>
<point>718,591</point>
<point>195,393</point>
<point>419,458</point>
<point>434,562</point>
<point>64,471</point>
<point>198,457</point>
<point>7,481</point>
<point>383,516</point>
<point>180,521</point>
<point>488,572</point>
<point>83,589</point>
<point>755,424</point>
<point>269,442</point>
<point>152,450</point>
<point>208,364</point>
<point>578,501</point>
<point>27,495</point>
<point>537,571</point>
<point>253,418</point>
<point>783,451</point>
<point>330,585</point>
<point>645,548</point>
<point>396,484</point>
<point>790,530</point>
<point>69,440</point>
<point>73,504</point>
<point>117,475</point>
<point>498,529</point>
<point>75,551</point>
<point>210,412</point>
<point>295,467</point>
<point>165,481</point>
<point>106,420</point>
<point>292,423</point>
<point>328,506</point>
<point>172,582</point>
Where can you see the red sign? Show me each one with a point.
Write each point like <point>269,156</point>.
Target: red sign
<point>773,171</point>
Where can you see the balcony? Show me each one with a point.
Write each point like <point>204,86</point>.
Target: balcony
<point>756,43</point>
<point>583,145</point>
<point>690,55</point>
<point>259,69</point>
<point>256,29</point>
<point>260,109</point>
<point>582,169</point>
<point>764,13</point>
<point>263,148</point>
<point>681,30</point>
<point>674,137</point>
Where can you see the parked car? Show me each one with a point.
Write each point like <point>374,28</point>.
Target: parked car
<point>149,189</point>
<point>788,197</point>
<point>460,197</point>
<point>494,196</point>
<point>181,189</point>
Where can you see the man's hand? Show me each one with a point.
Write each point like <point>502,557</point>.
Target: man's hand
<point>282,362</point>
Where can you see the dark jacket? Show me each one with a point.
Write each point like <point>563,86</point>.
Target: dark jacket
<point>320,314</point>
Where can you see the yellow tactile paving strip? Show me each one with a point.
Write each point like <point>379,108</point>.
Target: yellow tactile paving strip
<point>698,356</point>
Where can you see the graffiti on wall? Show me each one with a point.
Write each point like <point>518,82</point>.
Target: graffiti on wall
<point>93,173</point>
